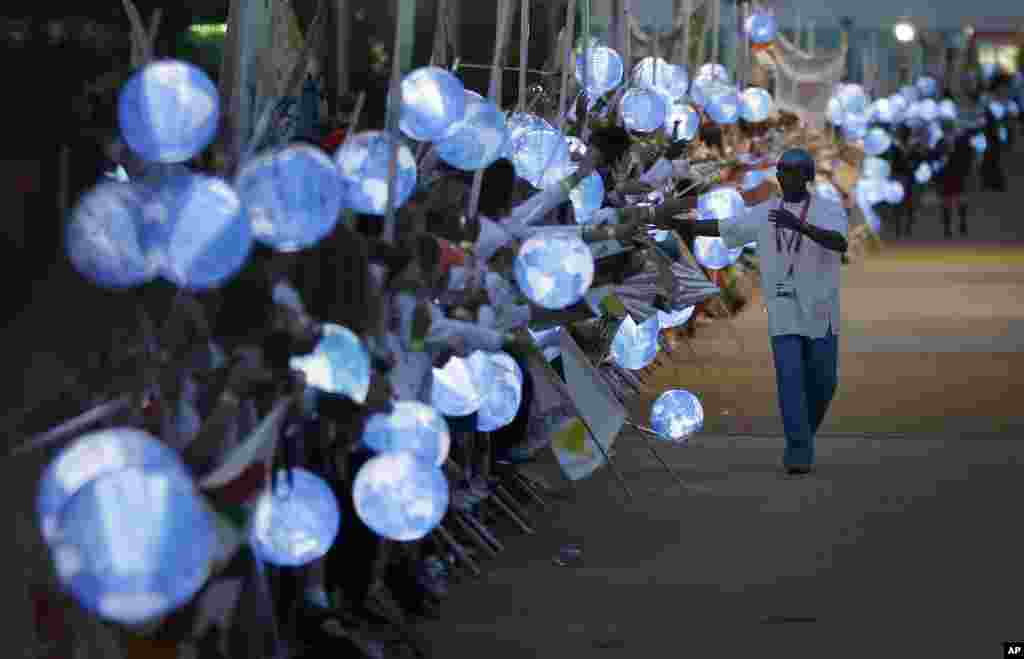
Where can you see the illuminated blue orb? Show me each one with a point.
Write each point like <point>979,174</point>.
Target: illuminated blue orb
<point>883,111</point>
<point>103,238</point>
<point>755,104</point>
<point>713,254</point>
<point>197,226</point>
<point>927,86</point>
<point>90,456</point>
<point>834,112</point>
<point>168,112</point>
<point>1013,108</point>
<point>643,110</point>
<point>876,141</point>
<point>135,544</point>
<point>853,98</point>
<point>454,391</point>
<point>676,415</point>
<point>997,109</point>
<point>855,127</point>
<point>410,426</point>
<point>501,387</point>
<point>871,190</point>
<point>658,75</point>
<point>478,140</point>
<point>682,121</point>
<point>635,346</point>
<point>296,521</point>
<point>761,27</point>
<point>363,162</point>
<point>518,124</point>
<point>432,101</point>
<point>934,134</point>
<point>828,191</point>
<point>894,192</point>
<point>542,158</point>
<point>923,173</point>
<point>928,110</point>
<point>339,364</point>
<point>910,93</point>
<point>947,110</point>
<point>292,198</point>
<point>587,198</point>
<point>670,319</point>
<point>723,106</point>
<point>604,72</point>
<point>979,142</point>
<point>554,269</point>
<point>875,168</point>
<point>1003,134</point>
<point>399,496</point>
<point>715,72</point>
<point>720,203</point>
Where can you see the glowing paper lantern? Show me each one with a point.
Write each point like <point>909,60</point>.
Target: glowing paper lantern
<point>997,109</point>
<point>479,139</point>
<point>518,124</point>
<point>927,86</point>
<point>1004,135</point>
<point>604,72</point>
<point>910,93</point>
<point>293,197</point>
<point>660,76</point>
<point>855,126</point>
<point>339,364</point>
<point>923,173</point>
<point>399,496</point>
<point>670,319</point>
<point>834,112</point>
<point>432,101</point>
<point>871,190</point>
<point>682,121</point>
<point>554,269</point>
<point>853,99</point>
<point>947,110</point>
<point>720,203</point>
<point>761,27</point>
<point>979,142</point>
<point>134,544</point>
<point>713,254</point>
<point>542,158</point>
<point>828,191</point>
<point>635,346</point>
<point>894,192</point>
<point>643,110</point>
<point>410,426</point>
<point>295,522</point>
<point>1013,108</point>
<point>884,111</point>
<point>899,105</point>
<point>928,110</point>
<point>168,112</point>
<point>755,104</point>
<point>363,162</point>
<point>875,168</point>
<point>723,106</point>
<point>90,456</point>
<point>587,198</point>
<point>103,238</point>
<point>501,383</point>
<point>197,226</point>
<point>934,134</point>
<point>713,71</point>
<point>876,142</point>
<point>676,415</point>
<point>454,391</point>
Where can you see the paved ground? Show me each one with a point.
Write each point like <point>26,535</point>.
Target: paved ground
<point>900,546</point>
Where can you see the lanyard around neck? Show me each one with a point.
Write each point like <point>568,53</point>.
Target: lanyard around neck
<point>795,239</point>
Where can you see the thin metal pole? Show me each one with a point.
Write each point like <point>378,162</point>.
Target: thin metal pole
<point>524,51</point>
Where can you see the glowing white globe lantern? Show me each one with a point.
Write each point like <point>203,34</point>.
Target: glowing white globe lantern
<point>104,238</point>
<point>712,253</point>
<point>168,112</point>
<point>554,269</point>
<point>293,198</point>
<point>871,190</point>
<point>196,225</point>
<point>432,101</point>
<point>899,104</point>
<point>875,168</point>
<point>676,415</point>
<point>399,496</point>
<point>1013,108</point>
<point>542,158</point>
<point>338,365</point>
<point>658,75</point>
<point>923,173</point>
<point>518,124</point>
<point>934,134</point>
<point>454,390</point>
<point>682,121</point>
<point>410,426</point>
<point>853,99</point>
<point>713,71</point>
<point>295,521</point>
<point>577,147</point>
<point>883,111</point>
<point>670,319</point>
<point>928,110</point>
<point>910,93</point>
<point>927,86</point>
<point>1003,134</point>
<point>979,143</point>
<point>700,90</point>
<point>828,191</point>
<point>997,109</point>
<point>760,27</point>
<point>720,203</point>
<point>876,141</point>
<point>587,198</point>
<point>723,106</point>
<point>501,383</point>
<point>894,192</point>
<point>134,544</point>
<point>635,346</point>
<point>643,110</point>
<point>755,105</point>
<point>947,110</point>
<point>478,140</point>
<point>855,126</point>
<point>363,162</point>
<point>604,72</point>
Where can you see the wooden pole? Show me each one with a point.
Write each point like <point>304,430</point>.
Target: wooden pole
<point>567,62</point>
<point>405,35</point>
<point>716,28</point>
<point>524,52</point>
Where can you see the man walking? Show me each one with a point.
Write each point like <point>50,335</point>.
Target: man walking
<point>800,239</point>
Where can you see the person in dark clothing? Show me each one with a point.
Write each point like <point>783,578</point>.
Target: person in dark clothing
<point>953,178</point>
<point>902,164</point>
<point>992,175</point>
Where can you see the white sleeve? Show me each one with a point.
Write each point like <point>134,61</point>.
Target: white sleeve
<point>833,217</point>
<point>740,230</point>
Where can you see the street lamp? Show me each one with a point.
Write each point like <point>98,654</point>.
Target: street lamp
<point>904,31</point>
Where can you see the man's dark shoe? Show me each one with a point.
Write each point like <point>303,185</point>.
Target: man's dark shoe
<point>798,470</point>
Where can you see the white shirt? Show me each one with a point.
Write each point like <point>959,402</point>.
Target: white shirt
<point>815,280</point>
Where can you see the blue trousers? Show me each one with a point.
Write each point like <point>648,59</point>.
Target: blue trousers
<point>806,371</point>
